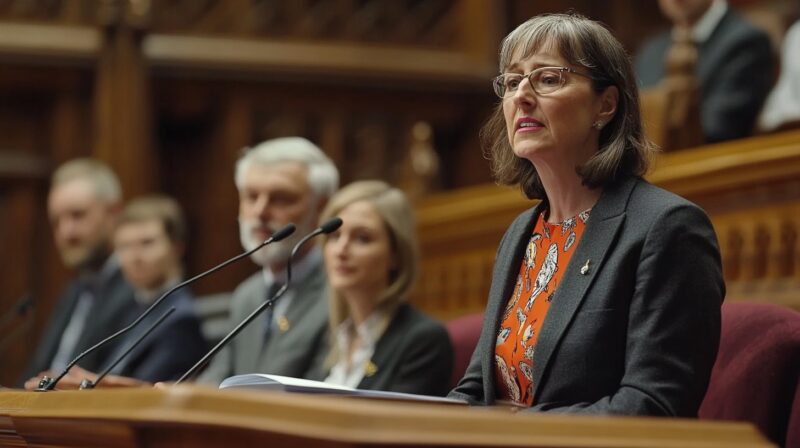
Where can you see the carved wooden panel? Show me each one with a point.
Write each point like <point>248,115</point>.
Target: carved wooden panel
<point>427,22</point>
<point>72,11</point>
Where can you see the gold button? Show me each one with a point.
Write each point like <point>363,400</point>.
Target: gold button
<point>283,324</point>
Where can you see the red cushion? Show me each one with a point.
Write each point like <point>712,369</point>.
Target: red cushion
<point>756,372</point>
<point>464,334</point>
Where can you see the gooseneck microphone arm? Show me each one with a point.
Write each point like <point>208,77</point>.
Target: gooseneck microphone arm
<point>47,384</point>
<point>326,228</point>
<point>89,384</point>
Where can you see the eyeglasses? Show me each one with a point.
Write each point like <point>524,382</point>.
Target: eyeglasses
<point>543,80</point>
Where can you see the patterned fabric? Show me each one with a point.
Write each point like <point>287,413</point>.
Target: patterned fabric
<point>548,253</point>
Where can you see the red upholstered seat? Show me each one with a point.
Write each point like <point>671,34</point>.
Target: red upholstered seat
<point>464,334</point>
<point>755,377</point>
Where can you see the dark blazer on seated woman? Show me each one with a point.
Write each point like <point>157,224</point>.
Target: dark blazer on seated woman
<point>634,324</point>
<point>414,355</point>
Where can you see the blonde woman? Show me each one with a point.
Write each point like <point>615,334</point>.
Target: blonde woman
<point>378,341</point>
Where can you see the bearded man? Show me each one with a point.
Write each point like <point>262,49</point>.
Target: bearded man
<point>280,181</point>
<point>84,201</point>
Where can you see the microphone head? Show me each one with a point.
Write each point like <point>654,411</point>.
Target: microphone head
<point>287,230</point>
<point>331,225</point>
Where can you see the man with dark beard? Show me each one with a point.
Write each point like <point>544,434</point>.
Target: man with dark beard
<point>280,181</point>
<point>83,204</point>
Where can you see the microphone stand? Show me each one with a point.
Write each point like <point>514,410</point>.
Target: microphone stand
<point>328,227</point>
<point>88,384</point>
<point>47,383</point>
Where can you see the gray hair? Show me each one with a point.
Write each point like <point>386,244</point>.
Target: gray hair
<point>105,182</point>
<point>323,177</point>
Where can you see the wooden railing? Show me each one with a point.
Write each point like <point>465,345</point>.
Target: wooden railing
<point>189,416</point>
<point>750,188</point>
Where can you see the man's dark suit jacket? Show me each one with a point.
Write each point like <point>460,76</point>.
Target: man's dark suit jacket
<point>635,334</point>
<point>110,311</point>
<point>735,70</point>
<point>414,355</point>
<point>171,349</point>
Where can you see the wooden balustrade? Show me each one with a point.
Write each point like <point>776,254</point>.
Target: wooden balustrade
<point>750,188</point>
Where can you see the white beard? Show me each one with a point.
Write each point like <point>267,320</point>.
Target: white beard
<point>275,253</point>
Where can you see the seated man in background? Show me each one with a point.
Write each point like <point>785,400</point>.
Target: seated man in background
<point>734,68</point>
<point>280,181</point>
<point>149,242</point>
<point>83,205</point>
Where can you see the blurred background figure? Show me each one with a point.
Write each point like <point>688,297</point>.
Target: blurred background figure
<point>782,110</point>
<point>280,181</point>
<point>83,206</point>
<point>149,242</point>
<point>378,340</point>
<point>734,69</point>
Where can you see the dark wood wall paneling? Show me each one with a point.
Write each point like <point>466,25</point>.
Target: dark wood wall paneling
<point>43,121</point>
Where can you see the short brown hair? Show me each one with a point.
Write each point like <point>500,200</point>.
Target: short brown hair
<point>623,148</point>
<point>157,207</point>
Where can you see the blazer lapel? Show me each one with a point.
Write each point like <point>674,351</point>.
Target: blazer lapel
<point>600,234</point>
<point>385,350</point>
<point>506,270</point>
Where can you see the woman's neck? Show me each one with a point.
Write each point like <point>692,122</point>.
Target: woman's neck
<point>566,194</point>
<point>360,304</point>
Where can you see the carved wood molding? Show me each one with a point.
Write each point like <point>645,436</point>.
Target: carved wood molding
<point>730,166</point>
<point>18,165</point>
<point>73,43</point>
<point>237,55</point>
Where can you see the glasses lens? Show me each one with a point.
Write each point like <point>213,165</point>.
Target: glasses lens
<point>507,84</point>
<point>546,80</point>
<point>498,84</point>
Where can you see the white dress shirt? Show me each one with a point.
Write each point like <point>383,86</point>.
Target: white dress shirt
<point>350,372</point>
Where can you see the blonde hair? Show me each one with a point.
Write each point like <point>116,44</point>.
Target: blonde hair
<point>103,180</point>
<point>398,217</point>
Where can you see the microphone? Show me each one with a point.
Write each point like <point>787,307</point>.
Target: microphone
<point>88,384</point>
<point>48,383</point>
<point>21,308</point>
<point>328,227</point>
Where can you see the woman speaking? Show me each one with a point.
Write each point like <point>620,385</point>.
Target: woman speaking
<point>606,295</point>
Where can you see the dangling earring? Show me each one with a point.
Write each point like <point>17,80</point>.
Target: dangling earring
<point>598,125</point>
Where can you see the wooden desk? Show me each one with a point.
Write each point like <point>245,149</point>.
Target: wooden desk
<point>201,417</point>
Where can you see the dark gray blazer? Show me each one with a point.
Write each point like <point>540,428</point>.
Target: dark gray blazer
<point>170,350</point>
<point>636,334</point>
<point>414,355</point>
<point>287,353</point>
<point>735,70</point>
<point>111,310</point>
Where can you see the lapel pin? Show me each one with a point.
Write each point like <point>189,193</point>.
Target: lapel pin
<point>370,369</point>
<point>283,324</point>
<point>585,268</point>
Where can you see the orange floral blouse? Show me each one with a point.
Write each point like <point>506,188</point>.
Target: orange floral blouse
<point>548,253</point>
